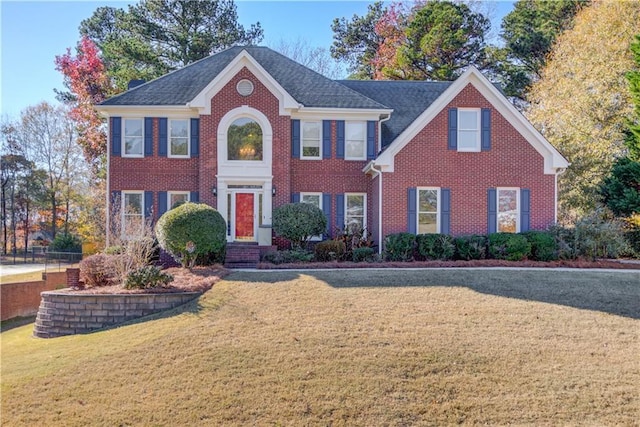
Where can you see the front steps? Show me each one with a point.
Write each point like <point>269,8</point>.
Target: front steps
<point>242,255</point>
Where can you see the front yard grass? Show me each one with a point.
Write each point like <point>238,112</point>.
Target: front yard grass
<point>384,347</point>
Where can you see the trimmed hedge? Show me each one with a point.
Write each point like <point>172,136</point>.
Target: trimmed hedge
<point>471,247</point>
<point>509,246</point>
<point>435,246</point>
<point>399,247</point>
<point>543,245</point>
<point>298,223</point>
<point>329,250</point>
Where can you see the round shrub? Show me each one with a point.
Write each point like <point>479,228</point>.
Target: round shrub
<point>329,250</point>
<point>193,233</point>
<point>363,254</point>
<point>435,246</point>
<point>147,277</point>
<point>509,246</point>
<point>543,245</point>
<point>298,223</point>
<point>471,247</point>
<point>399,247</point>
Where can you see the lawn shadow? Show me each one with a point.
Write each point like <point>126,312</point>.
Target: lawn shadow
<point>606,291</point>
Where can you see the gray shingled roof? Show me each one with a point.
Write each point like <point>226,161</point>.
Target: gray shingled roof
<point>408,99</point>
<point>304,85</point>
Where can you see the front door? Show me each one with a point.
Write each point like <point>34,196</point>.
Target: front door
<point>245,216</point>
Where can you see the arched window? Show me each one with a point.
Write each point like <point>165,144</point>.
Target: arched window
<point>244,140</point>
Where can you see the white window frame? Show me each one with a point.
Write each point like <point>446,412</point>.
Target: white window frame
<point>124,136</point>
<point>177,193</point>
<point>123,212</point>
<point>302,156</point>
<point>438,211</point>
<point>518,208</point>
<point>364,140</point>
<point>364,211</point>
<point>226,159</point>
<point>169,137</point>
<point>478,131</point>
<point>302,195</point>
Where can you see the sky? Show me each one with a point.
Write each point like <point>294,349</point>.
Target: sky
<point>33,33</point>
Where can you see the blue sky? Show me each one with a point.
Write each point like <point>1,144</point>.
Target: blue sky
<point>33,33</point>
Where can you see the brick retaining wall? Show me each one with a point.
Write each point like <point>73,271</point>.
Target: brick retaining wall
<point>22,299</point>
<point>62,313</point>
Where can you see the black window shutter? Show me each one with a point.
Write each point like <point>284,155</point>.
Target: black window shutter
<point>148,136</point>
<point>371,140</point>
<point>195,137</point>
<point>326,208</point>
<point>194,197</point>
<point>162,202</point>
<point>326,139</point>
<point>148,204</point>
<point>525,209</point>
<point>340,211</point>
<point>492,211</point>
<point>486,129</point>
<point>116,136</point>
<point>445,211</point>
<point>295,139</point>
<point>162,137</point>
<point>452,139</point>
<point>295,197</point>
<point>340,139</point>
<point>412,210</point>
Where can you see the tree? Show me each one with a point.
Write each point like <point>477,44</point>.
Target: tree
<point>582,102</point>
<point>633,77</point>
<point>154,37</point>
<point>86,78</point>
<point>356,42</point>
<point>316,58</point>
<point>298,223</point>
<point>529,32</point>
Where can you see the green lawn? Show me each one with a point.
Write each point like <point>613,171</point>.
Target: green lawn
<point>410,347</point>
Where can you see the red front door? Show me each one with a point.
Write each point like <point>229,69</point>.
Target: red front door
<point>244,216</point>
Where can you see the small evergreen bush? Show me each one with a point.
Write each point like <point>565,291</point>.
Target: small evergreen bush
<point>597,236</point>
<point>147,277</point>
<point>298,223</point>
<point>363,254</point>
<point>329,250</point>
<point>471,247</point>
<point>399,247</point>
<point>509,246</point>
<point>435,246</point>
<point>543,245</point>
<point>66,242</point>
<point>193,233</point>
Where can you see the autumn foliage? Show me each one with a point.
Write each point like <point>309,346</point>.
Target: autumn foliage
<point>86,77</point>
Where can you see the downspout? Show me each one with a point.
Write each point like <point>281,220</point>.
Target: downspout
<point>378,173</point>
<point>107,186</point>
<point>559,172</point>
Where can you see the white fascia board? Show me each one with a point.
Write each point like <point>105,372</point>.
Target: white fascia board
<point>202,101</point>
<point>173,111</point>
<point>319,113</point>
<point>553,160</point>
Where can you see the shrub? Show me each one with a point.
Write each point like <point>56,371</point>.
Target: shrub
<point>193,233</point>
<point>471,247</point>
<point>329,250</point>
<point>298,223</point>
<point>435,246</point>
<point>354,236</point>
<point>509,246</point>
<point>147,277</point>
<point>114,250</point>
<point>363,254</point>
<point>66,242</point>
<point>633,239</point>
<point>288,257</point>
<point>543,245</point>
<point>97,270</point>
<point>399,247</point>
<point>597,236</point>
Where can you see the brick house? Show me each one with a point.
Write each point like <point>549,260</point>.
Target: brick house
<point>247,129</point>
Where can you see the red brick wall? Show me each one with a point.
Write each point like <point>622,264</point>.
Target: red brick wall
<point>426,161</point>
<point>23,299</point>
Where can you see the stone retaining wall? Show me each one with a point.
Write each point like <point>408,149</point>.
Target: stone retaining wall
<point>63,313</point>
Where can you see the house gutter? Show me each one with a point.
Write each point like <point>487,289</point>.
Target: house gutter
<point>371,167</point>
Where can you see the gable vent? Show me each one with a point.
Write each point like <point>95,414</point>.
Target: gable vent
<point>244,87</point>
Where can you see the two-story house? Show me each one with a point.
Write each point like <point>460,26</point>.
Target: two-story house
<point>247,129</point>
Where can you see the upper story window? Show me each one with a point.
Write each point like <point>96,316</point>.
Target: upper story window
<point>179,138</point>
<point>355,210</point>
<point>133,137</point>
<point>468,129</point>
<point>428,210</point>
<point>355,141</point>
<point>311,140</point>
<point>244,140</point>
<point>508,210</point>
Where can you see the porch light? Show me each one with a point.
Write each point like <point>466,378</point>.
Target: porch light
<point>273,190</point>
<point>214,190</point>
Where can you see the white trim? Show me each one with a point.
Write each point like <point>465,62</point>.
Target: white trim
<point>357,114</point>
<point>320,140</point>
<point>476,147</point>
<point>364,217</point>
<point>133,111</point>
<point>438,208</point>
<point>123,196</point>
<point>123,132</point>
<point>553,160</point>
<point>178,156</point>
<point>364,140</point>
<point>518,207</point>
<point>202,100</point>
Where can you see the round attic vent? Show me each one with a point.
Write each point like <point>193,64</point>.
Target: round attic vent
<point>244,87</point>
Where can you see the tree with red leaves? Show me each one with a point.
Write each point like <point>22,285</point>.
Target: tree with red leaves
<point>85,75</point>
